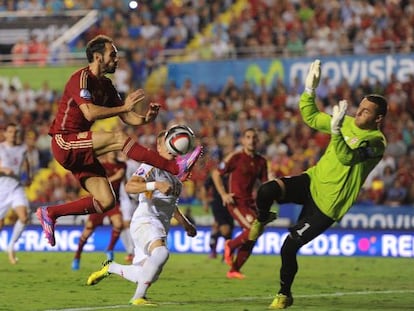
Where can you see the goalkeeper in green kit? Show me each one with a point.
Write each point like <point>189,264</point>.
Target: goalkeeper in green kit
<point>327,190</point>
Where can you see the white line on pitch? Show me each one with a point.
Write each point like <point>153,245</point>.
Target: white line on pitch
<point>251,298</point>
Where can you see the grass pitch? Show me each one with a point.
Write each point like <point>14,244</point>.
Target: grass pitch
<point>45,281</point>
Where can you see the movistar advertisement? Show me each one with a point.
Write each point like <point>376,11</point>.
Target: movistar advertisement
<point>354,69</point>
<point>334,242</point>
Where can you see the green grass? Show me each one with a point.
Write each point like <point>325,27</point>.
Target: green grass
<point>44,281</point>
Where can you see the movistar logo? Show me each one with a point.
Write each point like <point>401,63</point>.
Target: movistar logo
<point>255,75</point>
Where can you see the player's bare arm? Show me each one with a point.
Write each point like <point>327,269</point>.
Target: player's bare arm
<point>94,112</point>
<point>135,119</point>
<point>138,184</point>
<point>227,198</point>
<point>188,226</point>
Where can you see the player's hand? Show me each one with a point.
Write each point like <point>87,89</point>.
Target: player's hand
<point>313,77</point>
<point>152,112</point>
<point>133,99</point>
<point>338,115</point>
<point>191,230</point>
<point>164,187</point>
<point>227,198</point>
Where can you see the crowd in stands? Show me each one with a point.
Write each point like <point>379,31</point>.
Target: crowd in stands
<point>266,28</point>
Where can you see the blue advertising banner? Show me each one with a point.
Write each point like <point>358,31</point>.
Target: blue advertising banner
<point>354,69</point>
<point>364,217</point>
<point>334,242</point>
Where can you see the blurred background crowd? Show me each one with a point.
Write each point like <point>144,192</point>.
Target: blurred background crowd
<point>159,31</point>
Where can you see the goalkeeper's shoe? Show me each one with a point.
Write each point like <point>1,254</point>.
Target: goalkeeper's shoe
<point>256,229</point>
<point>142,302</point>
<point>48,224</point>
<point>281,302</point>
<point>186,162</point>
<point>99,275</point>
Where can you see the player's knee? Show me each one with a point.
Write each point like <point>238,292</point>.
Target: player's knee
<point>24,219</point>
<point>106,203</point>
<point>291,245</point>
<point>160,255</point>
<point>269,191</point>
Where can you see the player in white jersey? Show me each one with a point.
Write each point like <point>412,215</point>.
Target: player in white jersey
<point>12,195</point>
<point>128,205</point>
<point>158,193</point>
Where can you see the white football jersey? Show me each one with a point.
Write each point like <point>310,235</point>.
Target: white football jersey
<point>12,157</point>
<point>154,203</point>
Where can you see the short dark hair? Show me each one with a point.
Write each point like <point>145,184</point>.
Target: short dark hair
<point>380,101</point>
<point>97,45</point>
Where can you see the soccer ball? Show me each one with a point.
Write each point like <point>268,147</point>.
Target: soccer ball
<point>179,139</point>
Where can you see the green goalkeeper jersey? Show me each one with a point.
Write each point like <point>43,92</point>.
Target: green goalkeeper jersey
<point>350,156</point>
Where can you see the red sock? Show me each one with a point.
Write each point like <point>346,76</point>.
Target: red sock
<point>115,233</point>
<point>81,244</point>
<point>243,254</point>
<point>141,154</point>
<point>239,240</point>
<point>79,207</point>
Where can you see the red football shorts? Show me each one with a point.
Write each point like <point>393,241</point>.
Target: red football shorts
<point>75,153</point>
<point>244,212</point>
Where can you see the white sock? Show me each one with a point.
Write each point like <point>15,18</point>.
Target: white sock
<point>17,232</point>
<point>151,269</point>
<point>128,272</point>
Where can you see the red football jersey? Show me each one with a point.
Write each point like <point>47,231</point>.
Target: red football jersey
<point>82,87</point>
<point>244,170</point>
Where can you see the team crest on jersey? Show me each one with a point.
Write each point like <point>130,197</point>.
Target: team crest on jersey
<point>140,171</point>
<point>353,140</point>
<point>85,94</point>
<point>82,135</point>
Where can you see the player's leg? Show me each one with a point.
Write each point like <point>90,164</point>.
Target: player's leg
<point>102,199</point>
<point>127,208</point>
<point>93,221</point>
<point>104,142</point>
<point>214,236</point>
<point>22,220</point>
<point>281,190</point>
<point>117,224</point>
<point>244,214</point>
<point>19,203</point>
<point>312,222</point>
<point>151,268</point>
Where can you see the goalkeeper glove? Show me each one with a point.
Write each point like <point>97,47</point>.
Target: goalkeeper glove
<point>338,115</point>
<point>312,79</point>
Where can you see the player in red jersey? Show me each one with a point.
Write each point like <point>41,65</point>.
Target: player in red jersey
<point>115,170</point>
<point>89,96</point>
<point>244,168</point>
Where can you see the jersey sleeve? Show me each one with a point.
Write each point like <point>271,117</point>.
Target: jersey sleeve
<point>368,148</point>
<point>78,88</point>
<point>144,171</point>
<point>226,167</point>
<point>312,116</point>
